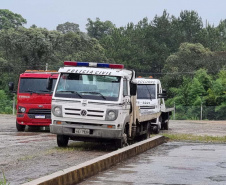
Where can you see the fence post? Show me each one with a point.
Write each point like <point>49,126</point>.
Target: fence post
<point>201,112</point>
<point>13,104</point>
<point>174,111</point>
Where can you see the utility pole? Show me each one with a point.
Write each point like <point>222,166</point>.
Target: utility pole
<point>46,66</point>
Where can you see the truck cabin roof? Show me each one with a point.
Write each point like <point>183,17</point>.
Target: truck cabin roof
<point>39,74</point>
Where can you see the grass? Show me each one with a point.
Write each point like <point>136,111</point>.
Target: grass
<point>82,146</point>
<point>26,157</point>
<point>194,138</point>
<point>3,181</point>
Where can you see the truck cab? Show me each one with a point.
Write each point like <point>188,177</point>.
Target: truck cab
<point>91,102</point>
<point>150,99</point>
<point>33,99</point>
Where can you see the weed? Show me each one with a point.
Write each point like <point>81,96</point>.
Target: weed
<point>3,181</point>
<point>190,137</point>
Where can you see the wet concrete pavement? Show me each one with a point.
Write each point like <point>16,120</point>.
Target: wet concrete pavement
<point>172,163</point>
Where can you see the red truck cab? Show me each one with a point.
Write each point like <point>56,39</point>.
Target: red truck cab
<point>33,99</point>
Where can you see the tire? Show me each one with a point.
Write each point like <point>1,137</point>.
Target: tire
<point>62,141</point>
<point>120,143</point>
<point>157,130</point>
<point>20,128</point>
<point>147,135</point>
<point>166,125</point>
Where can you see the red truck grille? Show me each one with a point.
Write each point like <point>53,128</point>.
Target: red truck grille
<point>33,112</point>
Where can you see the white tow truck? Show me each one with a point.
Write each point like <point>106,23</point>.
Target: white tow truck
<point>98,102</point>
<point>150,99</point>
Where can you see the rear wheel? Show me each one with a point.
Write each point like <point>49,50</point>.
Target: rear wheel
<point>20,128</point>
<point>156,130</point>
<point>147,135</point>
<point>166,126</point>
<point>156,127</point>
<point>62,141</point>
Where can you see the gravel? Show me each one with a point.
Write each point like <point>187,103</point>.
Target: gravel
<point>28,155</point>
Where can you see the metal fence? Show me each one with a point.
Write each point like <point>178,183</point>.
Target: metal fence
<point>180,112</point>
<point>201,112</point>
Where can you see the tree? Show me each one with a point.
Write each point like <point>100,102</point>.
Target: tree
<point>9,19</point>
<point>97,29</point>
<point>68,27</point>
<point>187,26</point>
<point>76,47</point>
<point>189,58</point>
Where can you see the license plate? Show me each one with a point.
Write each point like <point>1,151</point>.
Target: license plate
<point>82,131</point>
<point>40,116</point>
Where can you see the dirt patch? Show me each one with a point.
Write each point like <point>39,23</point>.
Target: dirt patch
<point>201,128</point>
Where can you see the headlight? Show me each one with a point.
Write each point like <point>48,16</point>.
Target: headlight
<point>111,115</point>
<point>21,109</point>
<point>57,110</point>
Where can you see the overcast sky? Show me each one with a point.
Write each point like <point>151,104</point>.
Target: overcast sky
<point>50,13</point>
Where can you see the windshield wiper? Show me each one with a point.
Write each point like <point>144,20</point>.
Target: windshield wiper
<point>149,92</point>
<point>73,92</point>
<point>96,93</point>
<point>30,91</point>
<point>46,91</point>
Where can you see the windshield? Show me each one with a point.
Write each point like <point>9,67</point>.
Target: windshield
<point>72,85</point>
<point>34,85</point>
<point>146,91</point>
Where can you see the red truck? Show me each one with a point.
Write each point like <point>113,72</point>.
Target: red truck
<point>33,99</point>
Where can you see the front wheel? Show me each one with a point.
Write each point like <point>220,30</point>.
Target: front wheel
<point>20,128</point>
<point>62,141</point>
<point>120,143</point>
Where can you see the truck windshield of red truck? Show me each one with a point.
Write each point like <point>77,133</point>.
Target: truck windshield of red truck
<point>34,85</point>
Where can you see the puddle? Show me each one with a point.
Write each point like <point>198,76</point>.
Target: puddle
<point>26,134</point>
<point>181,168</point>
<point>204,149</point>
<point>222,165</point>
<point>219,178</point>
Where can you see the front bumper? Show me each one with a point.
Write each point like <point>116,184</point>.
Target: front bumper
<point>26,119</point>
<point>97,132</point>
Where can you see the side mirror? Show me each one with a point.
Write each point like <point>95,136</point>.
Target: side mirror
<point>163,94</point>
<point>49,84</point>
<point>11,86</point>
<point>133,89</point>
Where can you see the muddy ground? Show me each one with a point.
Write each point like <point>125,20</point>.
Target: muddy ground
<point>28,155</point>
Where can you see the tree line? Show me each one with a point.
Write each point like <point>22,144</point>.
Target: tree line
<point>174,49</point>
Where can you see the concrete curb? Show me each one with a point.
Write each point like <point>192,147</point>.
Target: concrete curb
<point>87,169</point>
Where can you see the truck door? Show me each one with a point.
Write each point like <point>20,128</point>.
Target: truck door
<point>159,99</point>
<point>126,97</point>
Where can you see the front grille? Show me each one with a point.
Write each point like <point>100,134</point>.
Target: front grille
<point>34,112</point>
<point>147,107</point>
<point>39,111</point>
<point>89,112</point>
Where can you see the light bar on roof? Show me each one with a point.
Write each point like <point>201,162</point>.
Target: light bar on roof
<point>93,64</point>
